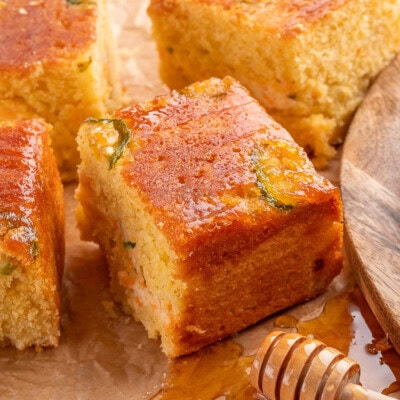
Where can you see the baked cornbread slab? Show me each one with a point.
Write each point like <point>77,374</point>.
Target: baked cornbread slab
<point>57,57</point>
<point>31,236</point>
<point>209,214</point>
<point>308,62</point>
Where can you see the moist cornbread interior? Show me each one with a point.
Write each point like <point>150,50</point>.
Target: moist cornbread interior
<point>31,236</point>
<point>209,215</point>
<point>309,63</point>
<point>58,58</point>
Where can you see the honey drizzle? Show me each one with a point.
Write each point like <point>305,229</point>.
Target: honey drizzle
<point>220,371</point>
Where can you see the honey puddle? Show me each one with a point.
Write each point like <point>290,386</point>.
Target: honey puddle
<point>220,371</point>
<point>216,372</point>
<point>348,324</point>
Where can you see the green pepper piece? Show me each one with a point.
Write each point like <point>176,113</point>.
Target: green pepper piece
<point>124,136</point>
<point>129,245</point>
<point>7,268</point>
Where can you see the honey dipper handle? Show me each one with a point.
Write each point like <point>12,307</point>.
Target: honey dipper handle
<point>357,392</point>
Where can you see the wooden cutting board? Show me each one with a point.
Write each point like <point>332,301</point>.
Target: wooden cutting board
<point>370,180</point>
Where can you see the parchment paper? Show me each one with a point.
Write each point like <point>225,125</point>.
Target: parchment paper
<point>103,353</point>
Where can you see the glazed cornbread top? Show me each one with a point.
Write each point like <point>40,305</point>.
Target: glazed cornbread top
<point>208,161</point>
<point>35,31</point>
<point>18,193</point>
<point>24,193</point>
<point>284,17</point>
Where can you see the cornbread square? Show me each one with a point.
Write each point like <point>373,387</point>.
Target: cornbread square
<point>31,236</point>
<point>209,214</point>
<point>57,57</point>
<point>309,63</point>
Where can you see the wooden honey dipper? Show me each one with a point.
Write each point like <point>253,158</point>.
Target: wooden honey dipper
<point>289,366</point>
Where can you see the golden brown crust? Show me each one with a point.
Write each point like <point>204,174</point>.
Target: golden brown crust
<point>193,180</point>
<point>31,198</point>
<point>309,62</point>
<point>193,159</point>
<point>50,32</point>
<point>223,299</point>
<point>286,17</point>
<point>211,217</point>
<point>57,62</point>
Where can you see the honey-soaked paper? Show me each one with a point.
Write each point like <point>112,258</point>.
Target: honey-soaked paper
<point>103,353</point>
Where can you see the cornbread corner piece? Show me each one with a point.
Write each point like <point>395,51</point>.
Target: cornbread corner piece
<point>31,236</point>
<point>57,57</point>
<point>308,62</point>
<point>210,216</point>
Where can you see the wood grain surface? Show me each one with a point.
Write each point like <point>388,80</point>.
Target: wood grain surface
<point>370,183</point>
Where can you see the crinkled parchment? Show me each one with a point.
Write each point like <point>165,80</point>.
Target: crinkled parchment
<point>104,354</point>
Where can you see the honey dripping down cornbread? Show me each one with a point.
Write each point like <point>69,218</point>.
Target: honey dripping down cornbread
<point>309,63</point>
<point>31,236</point>
<point>209,215</point>
<point>57,61</point>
